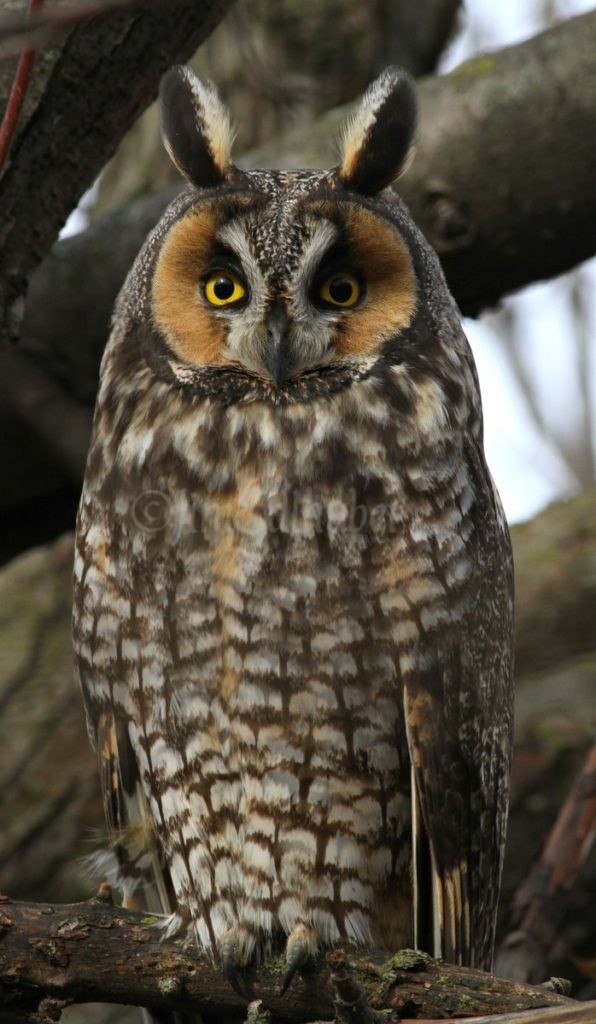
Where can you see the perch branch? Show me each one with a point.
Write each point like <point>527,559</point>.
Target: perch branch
<point>93,951</point>
<point>540,902</point>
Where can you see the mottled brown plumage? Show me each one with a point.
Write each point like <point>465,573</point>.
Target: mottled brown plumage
<point>293,606</point>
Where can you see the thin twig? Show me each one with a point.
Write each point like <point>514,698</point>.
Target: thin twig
<point>17,93</point>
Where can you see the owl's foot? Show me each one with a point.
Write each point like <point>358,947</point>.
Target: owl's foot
<point>235,950</point>
<point>301,948</point>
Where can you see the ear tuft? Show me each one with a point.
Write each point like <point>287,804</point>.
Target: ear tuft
<point>195,128</point>
<point>377,140</point>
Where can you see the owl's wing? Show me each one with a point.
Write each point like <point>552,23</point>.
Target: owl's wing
<point>458,719</point>
<point>128,816</point>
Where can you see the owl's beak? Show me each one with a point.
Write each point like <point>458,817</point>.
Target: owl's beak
<point>277,355</point>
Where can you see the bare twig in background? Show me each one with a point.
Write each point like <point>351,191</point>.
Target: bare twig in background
<point>540,901</point>
<point>17,94</point>
<point>571,441</point>
<point>585,449</point>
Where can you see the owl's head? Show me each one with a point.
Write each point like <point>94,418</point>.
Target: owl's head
<point>279,284</point>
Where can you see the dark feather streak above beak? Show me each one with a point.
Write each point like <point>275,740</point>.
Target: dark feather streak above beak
<point>277,354</point>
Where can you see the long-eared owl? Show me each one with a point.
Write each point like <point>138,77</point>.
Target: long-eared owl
<point>293,583</point>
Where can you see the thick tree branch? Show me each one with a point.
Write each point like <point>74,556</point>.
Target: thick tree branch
<point>88,952</point>
<point>555,586</point>
<point>76,128</point>
<point>71,295</point>
<point>501,181</point>
<point>18,33</point>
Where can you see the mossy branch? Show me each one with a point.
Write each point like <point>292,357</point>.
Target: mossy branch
<point>96,952</point>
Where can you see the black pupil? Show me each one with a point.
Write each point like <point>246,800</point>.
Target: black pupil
<point>223,288</point>
<point>341,289</point>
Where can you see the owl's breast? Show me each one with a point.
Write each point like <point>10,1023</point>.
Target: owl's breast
<point>250,604</point>
<point>308,594</point>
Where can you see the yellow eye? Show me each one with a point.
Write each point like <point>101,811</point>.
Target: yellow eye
<point>223,289</point>
<point>340,290</point>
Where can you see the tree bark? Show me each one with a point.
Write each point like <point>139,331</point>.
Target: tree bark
<point>500,184</point>
<point>62,424</point>
<point>94,952</point>
<point>105,75</point>
<point>555,585</point>
<point>540,901</point>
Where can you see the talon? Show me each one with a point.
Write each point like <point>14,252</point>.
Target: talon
<point>236,980</point>
<point>230,947</point>
<point>301,947</point>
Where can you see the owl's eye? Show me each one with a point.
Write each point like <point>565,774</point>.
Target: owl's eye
<point>222,288</point>
<point>340,290</point>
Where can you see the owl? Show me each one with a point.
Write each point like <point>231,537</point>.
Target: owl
<point>293,582</point>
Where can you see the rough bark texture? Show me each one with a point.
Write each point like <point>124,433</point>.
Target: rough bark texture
<point>501,181</point>
<point>94,952</point>
<point>74,129</point>
<point>71,296</point>
<point>35,399</point>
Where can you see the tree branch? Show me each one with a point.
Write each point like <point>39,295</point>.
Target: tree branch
<point>540,901</point>
<point>18,33</point>
<point>89,952</point>
<point>107,72</point>
<point>500,184</point>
